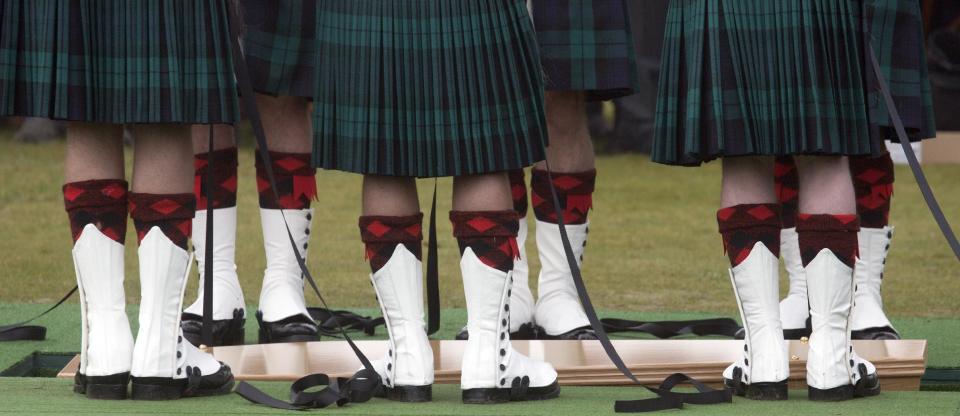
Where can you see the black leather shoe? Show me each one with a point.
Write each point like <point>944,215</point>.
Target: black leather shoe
<point>297,328</point>
<point>868,385</point>
<point>526,331</point>
<point>881,333</point>
<point>195,385</point>
<point>111,387</point>
<point>225,331</point>
<point>797,333</point>
<point>582,333</point>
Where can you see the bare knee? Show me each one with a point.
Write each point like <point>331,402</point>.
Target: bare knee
<point>223,137</point>
<point>747,180</point>
<point>566,117</point>
<point>287,122</point>
<point>390,195</point>
<point>488,192</point>
<point>94,151</point>
<point>570,148</point>
<point>825,185</point>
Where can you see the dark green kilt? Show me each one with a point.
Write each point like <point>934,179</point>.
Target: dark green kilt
<point>586,45</point>
<point>427,88</point>
<point>117,61</point>
<point>787,77</point>
<point>278,44</point>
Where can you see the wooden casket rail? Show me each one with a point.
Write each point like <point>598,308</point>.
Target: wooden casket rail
<point>900,363</point>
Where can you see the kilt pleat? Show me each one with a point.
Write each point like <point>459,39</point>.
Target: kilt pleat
<point>279,46</point>
<point>786,77</point>
<point>894,29</point>
<point>586,45</point>
<point>427,88</point>
<point>117,61</point>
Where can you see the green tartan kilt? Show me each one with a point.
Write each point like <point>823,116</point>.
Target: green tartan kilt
<point>787,77</point>
<point>279,46</point>
<point>586,45</point>
<point>117,61</point>
<point>427,88</point>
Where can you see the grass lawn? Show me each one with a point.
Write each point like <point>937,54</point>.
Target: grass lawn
<point>654,244</point>
<point>654,253</point>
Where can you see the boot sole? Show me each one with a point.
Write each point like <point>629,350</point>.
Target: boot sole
<point>112,387</point>
<point>408,394</point>
<point>770,391</point>
<point>149,391</point>
<point>172,389</point>
<point>868,386</point>
<point>106,391</point>
<point>495,395</point>
<point>835,394</point>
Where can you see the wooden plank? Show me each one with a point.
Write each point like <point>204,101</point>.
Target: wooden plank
<point>900,363</point>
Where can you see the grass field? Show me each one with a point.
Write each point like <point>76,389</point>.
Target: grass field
<point>654,253</point>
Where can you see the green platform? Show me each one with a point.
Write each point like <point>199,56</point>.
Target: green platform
<point>31,395</point>
<point>53,396</point>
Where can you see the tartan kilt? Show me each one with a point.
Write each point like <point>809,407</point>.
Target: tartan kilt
<point>787,77</point>
<point>117,61</point>
<point>586,45</point>
<point>894,28</point>
<point>279,46</point>
<point>427,88</point>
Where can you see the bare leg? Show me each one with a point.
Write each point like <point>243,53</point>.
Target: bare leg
<point>490,192</point>
<point>750,228</point>
<point>95,156</point>
<point>228,310</point>
<point>163,159</point>
<point>827,235</point>
<point>570,153</point>
<point>486,267</point>
<point>94,151</point>
<point>223,137</point>
<point>825,185</point>
<point>747,180</point>
<point>286,124</point>
<point>286,121</point>
<point>163,164</point>
<point>570,147</point>
<point>390,195</point>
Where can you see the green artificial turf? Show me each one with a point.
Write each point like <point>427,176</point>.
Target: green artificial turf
<point>53,396</point>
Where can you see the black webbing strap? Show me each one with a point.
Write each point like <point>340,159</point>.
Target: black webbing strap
<point>357,389</point>
<point>666,398</point>
<point>206,328</point>
<point>725,327</point>
<point>330,321</point>
<point>20,331</point>
<point>912,159</point>
<point>341,390</point>
<point>433,272</point>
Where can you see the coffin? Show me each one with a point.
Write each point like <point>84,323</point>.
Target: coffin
<point>900,363</point>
